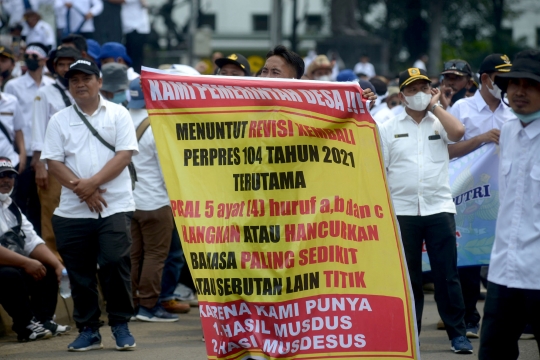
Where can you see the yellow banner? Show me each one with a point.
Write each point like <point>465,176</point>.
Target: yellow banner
<point>279,195</point>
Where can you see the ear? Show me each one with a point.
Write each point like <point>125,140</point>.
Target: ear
<point>100,81</point>
<point>402,97</point>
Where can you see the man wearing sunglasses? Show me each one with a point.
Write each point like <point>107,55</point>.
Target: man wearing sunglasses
<point>513,296</point>
<point>483,115</point>
<point>25,89</point>
<point>457,79</point>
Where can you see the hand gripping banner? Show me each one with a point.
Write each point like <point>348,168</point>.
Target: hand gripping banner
<point>278,192</point>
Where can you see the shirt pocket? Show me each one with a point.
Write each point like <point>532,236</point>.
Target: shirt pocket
<point>438,150</point>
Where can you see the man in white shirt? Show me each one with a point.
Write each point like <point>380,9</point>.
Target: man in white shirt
<point>513,296</point>
<point>25,88</point>
<point>152,224</point>
<point>136,27</point>
<point>364,69</point>
<point>11,124</point>
<point>416,157</point>
<point>29,272</point>
<point>483,115</point>
<point>38,31</point>
<point>79,15</point>
<point>48,101</point>
<point>92,223</point>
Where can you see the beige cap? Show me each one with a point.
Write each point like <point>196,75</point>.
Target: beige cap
<point>320,62</point>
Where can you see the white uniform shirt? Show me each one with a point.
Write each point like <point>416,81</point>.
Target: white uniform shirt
<point>365,68</point>
<point>420,65</point>
<point>76,16</point>
<point>135,17</point>
<point>25,89</point>
<point>416,160</point>
<point>68,140</point>
<point>516,250</point>
<point>478,119</point>
<point>150,191</point>
<point>11,118</point>
<point>42,33</point>
<point>48,101</point>
<point>384,114</point>
<point>9,220</point>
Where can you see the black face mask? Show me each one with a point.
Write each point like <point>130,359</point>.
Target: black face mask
<point>32,64</point>
<point>63,81</point>
<point>5,74</point>
<point>459,95</point>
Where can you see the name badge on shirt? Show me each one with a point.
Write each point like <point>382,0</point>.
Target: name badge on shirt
<point>397,136</point>
<point>6,113</point>
<point>434,137</point>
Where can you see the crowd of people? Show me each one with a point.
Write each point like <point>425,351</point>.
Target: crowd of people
<point>81,187</point>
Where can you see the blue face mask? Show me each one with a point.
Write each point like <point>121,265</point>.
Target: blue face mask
<point>527,118</point>
<point>119,97</point>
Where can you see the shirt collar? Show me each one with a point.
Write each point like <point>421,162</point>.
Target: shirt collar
<point>479,101</point>
<point>102,104</point>
<point>533,130</point>
<point>403,116</point>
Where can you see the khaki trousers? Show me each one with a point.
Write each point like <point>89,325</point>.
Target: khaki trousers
<point>151,232</point>
<point>49,199</point>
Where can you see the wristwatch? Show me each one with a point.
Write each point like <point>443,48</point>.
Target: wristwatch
<point>435,105</point>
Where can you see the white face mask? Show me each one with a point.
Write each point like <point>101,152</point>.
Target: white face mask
<point>418,102</point>
<point>4,197</point>
<point>323,78</point>
<point>495,90</point>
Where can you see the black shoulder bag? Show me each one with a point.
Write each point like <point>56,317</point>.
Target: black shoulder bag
<point>64,95</point>
<point>131,167</point>
<point>13,239</point>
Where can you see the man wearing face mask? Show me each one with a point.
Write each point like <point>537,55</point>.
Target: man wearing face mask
<point>513,296</point>
<point>320,69</point>
<point>48,101</point>
<point>115,83</point>
<point>416,158</point>
<point>457,79</point>
<point>25,89</point>
<point>483,114</point>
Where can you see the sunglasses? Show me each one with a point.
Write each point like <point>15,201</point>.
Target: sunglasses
<point>31,56</point>
<point>9,174</point>
<point>456,65</point>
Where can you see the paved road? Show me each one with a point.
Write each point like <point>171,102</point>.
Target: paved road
<point>182,341</point>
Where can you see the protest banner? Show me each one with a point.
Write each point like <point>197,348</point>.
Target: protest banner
<point>278,191</point>
<point>474,180</point>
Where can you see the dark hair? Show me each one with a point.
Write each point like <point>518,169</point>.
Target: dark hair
<point>78,40</point>
<point>290,57</point>
<point>380,86</point>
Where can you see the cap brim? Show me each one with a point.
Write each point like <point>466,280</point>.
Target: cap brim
<point>501,80</point>
<point>455,72</point>
<point>71,72</point>
<point>224,61</point>
<point>9,169</point>
<point>413,79</point>
<point>136,104</point>
<point>114,87</point>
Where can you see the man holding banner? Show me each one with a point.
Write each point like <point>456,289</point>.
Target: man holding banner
<point>483,115</point>
<point>416,159</point>
<point>513,296</point>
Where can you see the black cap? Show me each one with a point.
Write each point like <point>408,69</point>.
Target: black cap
<point>526,66</point>
<point>83,65</point>
<point>7,165</point>
<point>235,59</point>
<point>411,75</point>
<point>457,67</point>
<point>61,52</point>
<point>495,62</point>
<point>5,51</point>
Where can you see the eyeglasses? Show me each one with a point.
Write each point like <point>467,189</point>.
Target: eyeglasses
<point>31,56</point>
<point>457,65</point>
<point>8,174</point>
